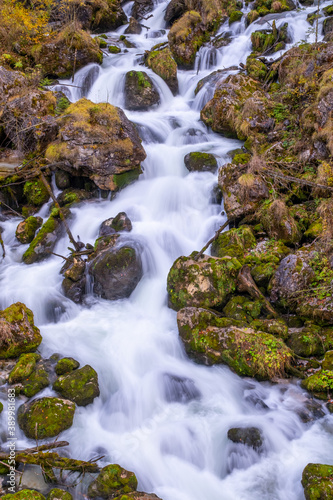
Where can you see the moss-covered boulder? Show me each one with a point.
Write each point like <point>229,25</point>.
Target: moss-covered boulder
<point>44,242</point>
<point>99,142</point>
<point>327,363</point>
<point>36,193</point>
<point>242,309</point>
<point>236,15</point>
<point>23,368</point>
<point>72,196</point>
<point>140,91</point>
<point>18,334</point>
<point>66,365</point>
<point>185,38</point>
<point>242,191</point>
<point>317,481</point>
<point>45,417</point>
<point>80,386</point>
<point>249,436</point>
<point>25,231</point>
<point>24,495</point>
<point>58,494</point>
<point>264,260</point>
<point>64,49</point>
<point>116,272</point>
<point>164,65</point>
<point>200,162</point>
<point>320,384</point>
<point>37,380</point>
<point>306,341</point>
<point>248,352</point>
<point>112,481</point>
<point>120,222</point>
<point>235,243</point>
<point>206,283</point>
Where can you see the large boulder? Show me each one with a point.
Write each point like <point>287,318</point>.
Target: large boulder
<point>207,282</point>
<point>44,242</point>
<point>317,481</point>
<point>18,334</point>
<point>99,142</point>
<point>185,38</point>
<point>45,417</point>
<point>116,272</point>
<point>67,51</point>
<point>113,481</point>
<point>29,120</point>
<point>80,386</point>
<point>164,65</point>
<point>140,91</point>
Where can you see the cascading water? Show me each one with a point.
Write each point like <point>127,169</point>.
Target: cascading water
<point>159,414</point>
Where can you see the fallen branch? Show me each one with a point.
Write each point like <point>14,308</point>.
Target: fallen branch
<point>289,178</point>
<point>42,447</point>
<point>202,251</point>
<point>247,284</point>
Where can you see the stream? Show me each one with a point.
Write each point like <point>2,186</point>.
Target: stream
<point>159,414</point>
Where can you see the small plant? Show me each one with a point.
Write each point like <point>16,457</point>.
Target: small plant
<point>62,105</point>
<point>45,82</point>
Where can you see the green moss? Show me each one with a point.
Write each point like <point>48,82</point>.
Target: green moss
<point>26,230</point>
<point>24,495</point>
<point>46,417</point>
<point>58,494</point>
<point>101,42</point>
<point>242,309</point>
<point>66,365</point>
<point>320,384</point>
<point>36,381</point>
<point>126,178</point>
<point>80,386</point>
<point>23,368</point>
<point>36,193</point>
<point>1,407</point>
<point>317,481</point>
<point>275,327</point>
<point>306,341</point>
<point>30,256</point>
<point>235,243</point>
<point>164,65</point>
<point>112,481</point>
<point>113,49</point>
<point>236,15</point>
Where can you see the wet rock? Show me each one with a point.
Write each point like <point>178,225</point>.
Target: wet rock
<point>200,162</point>
<point>116,272</point>
<point>235,243</point>
<point>36,193</point>
<point>37,380</point>
<point>248,352</point>
<point>112,481</point>
<point>317,481</point>
<point>174,10</point>
<point>66,365</point>
<point>62,179</point>
<point>23,368</point>
<point>292,276</point>
<point>58,494</point>
<point>71,196</point>
<point>223,40</point>
<point>116,224</point>
<point>164,65</point>
<point>185,38</point>
<point>44,242</point>
<point>58,54</point>
<point>140,92</point>
<point>311,411</point>
<point>25,231</point>
<point>75,290</point>
<point>179,390</point>
<point>24,495</point>
<point>205,283</point>
<point>107,149</point>
<point>141,8</point>
<point>29,122</point>
<point>249,436</point>
<point>134,27</point>
<point>319,384</point>
<point>45,417</point>
<point>80,386</point>
<point>242,192</point>
<point>18,334</point>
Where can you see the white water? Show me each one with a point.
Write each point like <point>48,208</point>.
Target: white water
<point>179,450</point>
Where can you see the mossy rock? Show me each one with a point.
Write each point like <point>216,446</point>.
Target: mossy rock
<point>44,242</point>
<point>248,352</point>
<point>66,365</point>
<point>200,162</point>
<point>140,91</point>
<point>234,243</point>
<point>327,363</point>
<point>71,196</point>
<point>58,494</point>
<point>36,193</point>
<point>1,407</point>
<point>306,341</point>
<point>18,333</point>
<point>80,386</point>
<point>235,16</point>
<point>205,283</point>
<point>23,368</point>
<point>49,415</point>
<point>249,436</point>
<point>278,222</point>
<point>256,69</point>
<point>317,481</point>
<point>112,481</point>
<point>24,495</point>
<point>276,327</point>
<point>25,231</point>
<point>320,384</point>
<point>242,309</point>
<point>37,380</point>
<point>185,37</point>
<point>113,49</point>
<point>164,65</point>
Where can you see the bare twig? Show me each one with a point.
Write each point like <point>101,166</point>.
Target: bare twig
<point>199,254</point>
